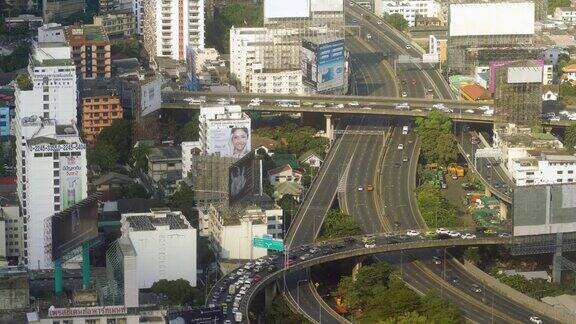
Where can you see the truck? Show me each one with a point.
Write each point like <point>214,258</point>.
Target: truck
<point>456,170</point>
<point>238,317</point>
<point>232,289</point>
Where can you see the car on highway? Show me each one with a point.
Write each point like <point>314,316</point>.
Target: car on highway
<point>402,106</point>
<point>379,22</point>
<point>436,260</point>
<point>430,234</point>
<point>454,234</point>
<point>404,94</point>
<point>408,46</point>
<point>468,236</point>
<point>396,164</point>
<point>535,320</point>
<point>469,111</point>
<point>319,105</point>
<point>475,289</point>
<point>412,233</point>
<point>360,188</point>
<point>484,108</point>
<point>369,188</point>
<point>405,159</point>
<point>413,81</point>
<point>400,146</point>
<point>504,235</point>
<point>405,130</point>
<point>404,81</point>
<point>454,279</point>
<point>442,230</point>
<point>290,262</point>
<point>439,106</point>
<point>366,108</point>
<point>353,104</point>
<point>368,36</point>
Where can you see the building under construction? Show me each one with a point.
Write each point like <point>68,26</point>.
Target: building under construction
<point>517,95</point>
<point>482,32</point>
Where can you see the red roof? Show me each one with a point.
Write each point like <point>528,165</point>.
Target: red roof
<point>475,92</point>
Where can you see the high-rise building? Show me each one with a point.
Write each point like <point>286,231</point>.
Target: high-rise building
<point>90,51</point>
<point>170,26</point>
<point>409,9</point>
<point>100,108</point>
<point>51,158</point>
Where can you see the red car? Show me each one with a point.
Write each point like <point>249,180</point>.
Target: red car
<point>257,278</point>
<point>290,263</point>
<point>413,81</point>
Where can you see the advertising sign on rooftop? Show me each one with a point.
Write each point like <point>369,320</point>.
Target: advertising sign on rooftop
<point>331,59</point>
<point>286,9</point>
<point>485,19</point>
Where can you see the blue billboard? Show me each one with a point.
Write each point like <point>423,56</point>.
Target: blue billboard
<point>330,59</point>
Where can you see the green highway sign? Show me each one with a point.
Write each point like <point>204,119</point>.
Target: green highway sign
<point>268,243</point>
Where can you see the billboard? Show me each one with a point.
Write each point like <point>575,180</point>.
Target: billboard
<point>71,190</point>
<point>286,9</point>
<point>308,63</point>
<point>229,138</point>
<point>242,176</point>
<point>330,58</point>
<point>485,19</point>
<point>74,226</point>
<point>544,209</point>
<point>203,315</point>
<point>326,5</point>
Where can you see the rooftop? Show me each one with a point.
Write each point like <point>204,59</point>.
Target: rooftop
<point>164,153</point>
<point>149,222</point>
<point>475,92</point>
<point>88,33</point>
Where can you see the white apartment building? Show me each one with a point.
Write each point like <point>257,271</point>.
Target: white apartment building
<point>565,14</point>
<point>51,161</point>
<point>165,245</point>
<point>537,168</point>
<point>279,82</point>
<point>170,26</point>
<point>138,11</point>
<point>231,236</point>
<point>216,127</point>
<point>409,9</point>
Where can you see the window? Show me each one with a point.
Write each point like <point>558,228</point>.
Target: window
<point>570,180</point>
<point>57,199</point>
<point>56,164</point>
<point>56,182</point>
<point>529,181</point>
<point>45,97</point>
<point>559,180</point>
<point>56,207</point>
<point>559,172</point>
<point>56,173</point>
<point>570,171</point>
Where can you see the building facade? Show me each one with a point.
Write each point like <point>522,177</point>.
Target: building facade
<point>537,168</point>
<point>408,9</point>
<point>53,10</point>
<point>281,82</point>
<point>171,26</point>
<point>231,236</point>
<point>100,108</point>
<point>14,229</point>
<point>51,161</point>
<point>5,121</point>
<point>90,51</point>
<point>165,246</point>
<point>117,23</point>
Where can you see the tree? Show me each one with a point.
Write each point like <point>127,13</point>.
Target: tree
<point>397,21</point>
<point>471,254</point>
<point>24,82</point>
<point>570,138</point>
<point>104,155</point>
<point>438,142</point>
<point>438,310</point>
<point>434,208</point>
<point>183,200</point>
<point>179,292</point>
<point>190,130</point>
<point>138,157</point>
<point>280,313</point>
<point>238,15</point>
<point>129,47</point>
<point>338,224</point>
<point>289,207</point>
<point>553,4</point>
<point>407,318</point>
<point>119,135</point>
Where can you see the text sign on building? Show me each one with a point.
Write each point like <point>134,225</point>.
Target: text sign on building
<point>268,243</point>
<point>58,147</point>
<point>204,315</point>
<point>86,311</point>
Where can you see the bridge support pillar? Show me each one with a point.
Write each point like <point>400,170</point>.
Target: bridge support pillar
<point>329,127</point>
<point>357,268</point>
<point>269,293</point>
<point>557,260</point>
<point>503,210</point>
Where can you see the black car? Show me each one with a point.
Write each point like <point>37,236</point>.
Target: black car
<point>454,279</point>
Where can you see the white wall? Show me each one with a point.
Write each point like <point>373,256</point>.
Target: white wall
<point>236,241</point>
<point>285,82</point>
<point>505,18</point>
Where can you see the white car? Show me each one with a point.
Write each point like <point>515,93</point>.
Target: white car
<point>469,111</point>
<point>360,188</point>
<point>408,46</point>
<point>454,234</point>
<point>439,106</point>
<point>442,230</point>
<point>402,106</point>
<point>400,146</point>
<point>490,113</point>
<point>468,236</point>
<point>404,94</point>
<point>367,108</point>
<point>370,245</point>
<point>413,233</point>
<point>254,104</point>
<point>353,104</point>
<point>535,320</point>
<point>369,36</point>
<point>379,22</point>
<point>436,260</point>
<point>319,106</point>
<point>483,108</point>
<point>555,119</point>
<point>339,106</point>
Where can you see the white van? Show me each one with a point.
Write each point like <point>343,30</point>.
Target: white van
<point>405,130</point>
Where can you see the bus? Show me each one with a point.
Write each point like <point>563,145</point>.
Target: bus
<point>287,103</point>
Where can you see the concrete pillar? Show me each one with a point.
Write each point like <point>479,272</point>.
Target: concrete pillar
<point>329,127</point>
<point>269,293</point>
<point>503,210</point>
<point>356,268</point>
<point>557,260</point>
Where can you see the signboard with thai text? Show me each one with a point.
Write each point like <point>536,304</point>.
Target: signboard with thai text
<point>86,311</point>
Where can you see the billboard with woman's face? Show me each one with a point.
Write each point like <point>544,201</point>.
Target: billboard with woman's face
<point>229,139</point>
